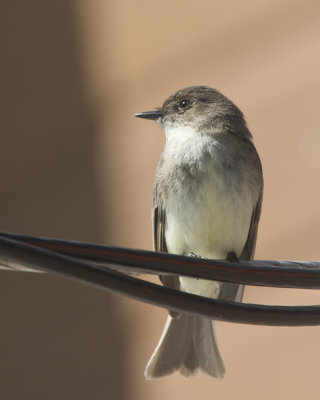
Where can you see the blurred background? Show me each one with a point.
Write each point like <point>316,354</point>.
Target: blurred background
<point>76,164</point>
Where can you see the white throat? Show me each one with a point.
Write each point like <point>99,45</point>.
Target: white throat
<point>180,133</point>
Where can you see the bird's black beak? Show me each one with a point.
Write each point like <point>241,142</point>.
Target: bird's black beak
<point>154,115</point>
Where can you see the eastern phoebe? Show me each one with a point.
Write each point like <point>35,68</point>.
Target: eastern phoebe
<point>206,201</point>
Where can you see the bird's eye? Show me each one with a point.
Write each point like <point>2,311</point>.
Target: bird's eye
<point>184,103</point>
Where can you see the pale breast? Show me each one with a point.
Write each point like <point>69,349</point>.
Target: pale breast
<point>211,222</point>
<point>208,201</point>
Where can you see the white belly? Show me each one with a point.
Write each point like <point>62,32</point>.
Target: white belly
<point>208,208</point>
<point>210,223</point>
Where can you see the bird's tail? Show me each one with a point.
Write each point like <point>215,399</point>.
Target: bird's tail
<point>187,344</point>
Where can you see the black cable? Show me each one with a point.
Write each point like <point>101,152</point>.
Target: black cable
<point>289,274</point>
<point>98,276</point>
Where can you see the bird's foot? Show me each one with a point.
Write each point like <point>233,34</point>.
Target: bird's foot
<point>191,254</point>
<point>232,257</point>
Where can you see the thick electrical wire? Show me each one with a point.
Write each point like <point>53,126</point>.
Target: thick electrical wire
<point>95,265</point>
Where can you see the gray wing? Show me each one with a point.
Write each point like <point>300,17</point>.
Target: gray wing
<point>249,247</point>
<point>233,291</point>
<point>159,241</point>
<point>158,225</point>
<point>159,244</point>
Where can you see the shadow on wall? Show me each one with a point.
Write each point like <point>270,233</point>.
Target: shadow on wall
<point>57,336</point>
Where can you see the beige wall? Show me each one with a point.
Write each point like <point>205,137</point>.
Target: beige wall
<point>76,164</point>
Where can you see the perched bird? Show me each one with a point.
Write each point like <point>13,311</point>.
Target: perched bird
<point>206,201</point>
